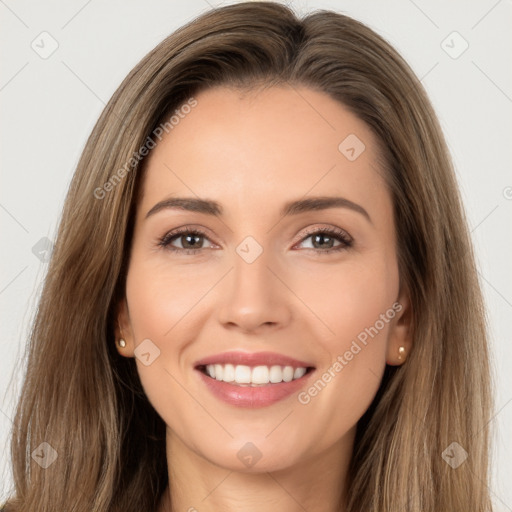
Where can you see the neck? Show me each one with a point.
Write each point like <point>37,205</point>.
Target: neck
<point>315,484</point>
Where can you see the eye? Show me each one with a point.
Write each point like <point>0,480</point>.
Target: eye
<point>190,240</point>
<point>324,240</point>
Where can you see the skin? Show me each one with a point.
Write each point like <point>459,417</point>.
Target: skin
<point>252,152</point>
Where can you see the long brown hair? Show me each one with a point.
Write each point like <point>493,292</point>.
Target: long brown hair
<point>86,401</point>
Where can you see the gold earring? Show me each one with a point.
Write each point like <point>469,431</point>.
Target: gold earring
<point>401,352</point>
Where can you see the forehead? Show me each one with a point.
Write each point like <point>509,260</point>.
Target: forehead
<point>249,149</point>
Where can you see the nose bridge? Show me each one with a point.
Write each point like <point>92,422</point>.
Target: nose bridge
<point>253,295</point>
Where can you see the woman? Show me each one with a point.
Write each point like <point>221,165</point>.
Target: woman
<point>196,345</point>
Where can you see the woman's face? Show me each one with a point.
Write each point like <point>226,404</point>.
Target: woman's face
<point>296,259</point>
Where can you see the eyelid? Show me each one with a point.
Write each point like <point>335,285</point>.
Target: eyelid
<point>346,239</point>
<point>344,235</point>
<point>173,233</point>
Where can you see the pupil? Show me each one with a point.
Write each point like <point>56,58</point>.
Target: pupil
<point>188,237</point>
<point>322,237</point>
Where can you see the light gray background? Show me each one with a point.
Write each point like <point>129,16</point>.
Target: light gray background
<point>49,106</point>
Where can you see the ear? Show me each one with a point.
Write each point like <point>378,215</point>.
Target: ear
<point>123,330</point>
<point>400,334</point>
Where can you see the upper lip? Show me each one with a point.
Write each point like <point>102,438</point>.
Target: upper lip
<point>253,359</point>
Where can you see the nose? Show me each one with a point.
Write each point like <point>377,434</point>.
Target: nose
<point>254,296</point>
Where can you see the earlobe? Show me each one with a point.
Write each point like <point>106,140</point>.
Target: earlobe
<point>123,331</point>
<point>400,338</point>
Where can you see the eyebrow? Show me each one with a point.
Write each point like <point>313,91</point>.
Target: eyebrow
<point>210,207</point>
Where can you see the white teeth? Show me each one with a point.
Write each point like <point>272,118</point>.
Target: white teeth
<point>257,375</point>
<point>229,373</point>
<point>219,371</point>
<point>276,374</point>
<point>299,372</point>
<point>288,374</point>
<point>242,374</point>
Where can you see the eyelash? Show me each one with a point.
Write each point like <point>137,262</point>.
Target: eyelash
<point>340,235</point>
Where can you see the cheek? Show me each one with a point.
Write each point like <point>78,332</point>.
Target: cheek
<point>160,299</point>
<point>162,306</point>
<point>355,302</point>
<point>362,298</point>
<point>348,299</point>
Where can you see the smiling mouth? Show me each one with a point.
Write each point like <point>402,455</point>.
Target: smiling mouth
<point>254,376</point>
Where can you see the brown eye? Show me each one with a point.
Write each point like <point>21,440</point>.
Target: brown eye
<point>191,240</point>
<point>328,240</point>
<point>188,241</point>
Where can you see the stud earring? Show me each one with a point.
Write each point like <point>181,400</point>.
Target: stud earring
<point>122,343</point>
<point>401,352</point>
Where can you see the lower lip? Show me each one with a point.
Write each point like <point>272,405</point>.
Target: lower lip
<point>253,396</point>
